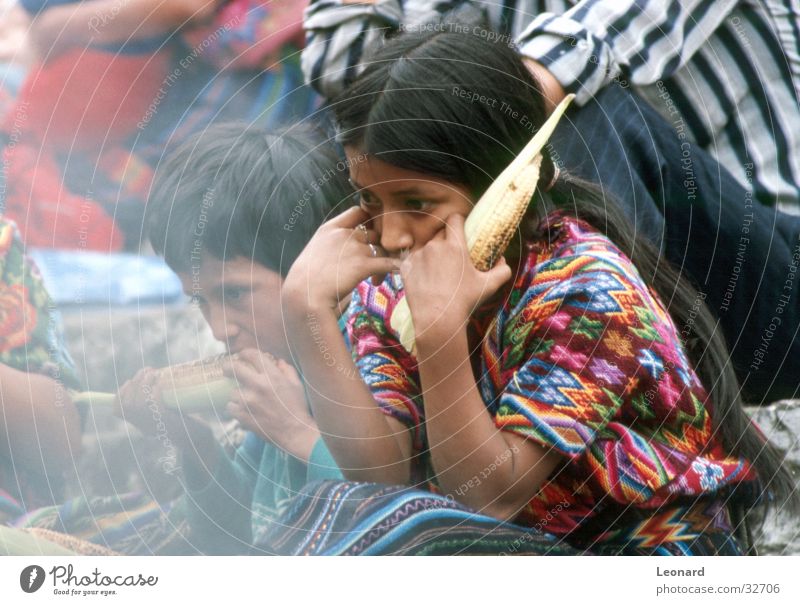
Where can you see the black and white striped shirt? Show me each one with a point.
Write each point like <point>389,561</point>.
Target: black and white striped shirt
<point>727,72</point>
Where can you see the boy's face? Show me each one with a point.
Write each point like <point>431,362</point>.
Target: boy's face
<point>241,301</point>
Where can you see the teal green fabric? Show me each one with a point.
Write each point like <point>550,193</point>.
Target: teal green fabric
<point>246,493</point>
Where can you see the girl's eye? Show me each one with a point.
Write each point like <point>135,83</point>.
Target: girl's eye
<point>416,205</point>
<point>367,202</point>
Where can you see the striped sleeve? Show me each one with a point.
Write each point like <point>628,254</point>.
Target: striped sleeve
<point>640,41</point>
<point>337,34</point>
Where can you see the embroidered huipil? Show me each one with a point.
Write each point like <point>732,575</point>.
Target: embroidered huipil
<point>584,358</point>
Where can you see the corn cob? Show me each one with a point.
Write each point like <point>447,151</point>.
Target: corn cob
<point>193,387</point>
<point>20,542</point>
<point>496,216</point>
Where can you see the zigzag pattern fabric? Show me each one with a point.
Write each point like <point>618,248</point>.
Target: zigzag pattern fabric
<point>345,518</point>
<point>582,357</point>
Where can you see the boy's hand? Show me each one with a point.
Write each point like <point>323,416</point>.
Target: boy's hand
<point>271,402</point>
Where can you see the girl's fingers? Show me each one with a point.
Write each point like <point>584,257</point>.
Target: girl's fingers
<point>455,229</point>
<point>496,277</point>
<point>500,273</point>
<point>376,264</point>
<point>441,234</point>
<point>372,237</point>
<point>349,219</point>
<point>366,235</point>
<point>381,265</point>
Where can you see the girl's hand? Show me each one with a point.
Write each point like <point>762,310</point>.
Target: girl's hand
<point>342,253</point>
<point>442,285</point>
<point>271,402</point>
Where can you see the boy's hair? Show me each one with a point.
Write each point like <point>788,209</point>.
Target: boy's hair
<point>236,191</point>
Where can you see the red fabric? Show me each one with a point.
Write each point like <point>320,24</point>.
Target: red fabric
<point>249,34</point>
<point>85,105</point>
<point>47,214</point>
<point>86,98</point>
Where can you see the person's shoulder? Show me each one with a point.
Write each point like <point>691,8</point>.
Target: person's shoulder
<point>572,262</point>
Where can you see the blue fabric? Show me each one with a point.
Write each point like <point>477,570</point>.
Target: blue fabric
<point>703,218</point>
<point>93,278</point>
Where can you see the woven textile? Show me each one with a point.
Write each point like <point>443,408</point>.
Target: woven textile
<point>584,358</point>
<point>343,518</point>
<point>30,341</point>
<point>130,524</point>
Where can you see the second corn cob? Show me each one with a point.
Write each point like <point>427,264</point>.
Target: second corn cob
<point>193,387</point>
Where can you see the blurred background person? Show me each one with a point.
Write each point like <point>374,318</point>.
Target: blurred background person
<point>112,83</point>
<point>40,429</point>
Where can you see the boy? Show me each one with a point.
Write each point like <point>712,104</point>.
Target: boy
<point>230,211</point>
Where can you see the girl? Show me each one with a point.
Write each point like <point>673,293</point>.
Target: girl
<point>569,389</point>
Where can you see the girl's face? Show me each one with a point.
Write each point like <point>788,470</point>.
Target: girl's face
<point>407,208</point>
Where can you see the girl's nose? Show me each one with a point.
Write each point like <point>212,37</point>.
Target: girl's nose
<point>396,233</point>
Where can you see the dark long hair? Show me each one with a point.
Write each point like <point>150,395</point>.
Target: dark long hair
<point>460,107</point>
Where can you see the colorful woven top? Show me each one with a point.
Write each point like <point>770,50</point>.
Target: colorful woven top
<point>30,341</point>
<point>582,357</point>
